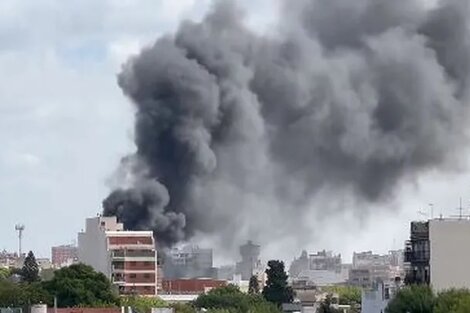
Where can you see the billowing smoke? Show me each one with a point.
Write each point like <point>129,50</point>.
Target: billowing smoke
<point>345,97</point>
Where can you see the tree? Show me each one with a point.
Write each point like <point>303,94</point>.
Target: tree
<point>231,299</point>
<point>326,306</point>
<point>16,295</point>
<point>142,304</point>
<point>277,290</point>
<point>30,271</point>
<point>412,299</point>
<point>80,285</point>
<point>453,301</point>
<point>4,273</point>
<point>253,287</point>
<point>348,295</point>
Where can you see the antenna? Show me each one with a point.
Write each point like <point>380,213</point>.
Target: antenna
<point>460,208</point>
<point>19,228</point>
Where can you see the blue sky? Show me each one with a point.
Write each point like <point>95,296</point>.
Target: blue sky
<point>64,123</point>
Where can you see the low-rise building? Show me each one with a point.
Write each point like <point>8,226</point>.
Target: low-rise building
<point>64,255</point>
<point>190,286</point>
<point>128,258</point>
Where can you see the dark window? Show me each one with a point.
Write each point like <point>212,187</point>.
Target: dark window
<point>146,275</point>
<point>132,275</point>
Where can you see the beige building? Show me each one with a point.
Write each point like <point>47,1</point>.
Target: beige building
<point>128,258</point>
<point>449,253</point>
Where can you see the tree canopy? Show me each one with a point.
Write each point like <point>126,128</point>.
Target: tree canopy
<point>4,273</point>
<point>412,299</point>
<point>277,290</point>
<point>231,299</point>
<point>80,285</point>
<point>326,306</point>
<point>253,286</point>
<point>453,301</point>
<point>142,304</point>
<point>30,271</point>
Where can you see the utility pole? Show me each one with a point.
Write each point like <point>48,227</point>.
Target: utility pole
<point>19,228</point>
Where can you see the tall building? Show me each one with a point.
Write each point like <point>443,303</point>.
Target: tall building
<point>325,260</point>
<point>250,260</point>
<point>64,255</point>
<point>417,254</point>
<point>189,261</point>
<point>438,253</point>
<point>128,258</point>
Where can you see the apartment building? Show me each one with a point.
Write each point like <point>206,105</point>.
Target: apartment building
<point>438,253</point>
<point>128,258</point>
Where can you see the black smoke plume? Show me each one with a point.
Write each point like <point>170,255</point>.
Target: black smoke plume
<point>233,128</point>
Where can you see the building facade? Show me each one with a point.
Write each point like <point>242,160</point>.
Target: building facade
<point>438,253</point>
<point>190,286</point>
<point>189,261</point>
<point>128,258</point>
<point>250,263</point>
<point>64,255</point>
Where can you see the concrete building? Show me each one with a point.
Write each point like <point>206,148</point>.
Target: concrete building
<point>250,263</point>
<point>438,253</point>
<point>375,300</point>
<point>325,260</point>
<point>369,268</point>
<point>64,255</point>
<point>319,269</point>
<point>128,258</point>
<point>189,261</point>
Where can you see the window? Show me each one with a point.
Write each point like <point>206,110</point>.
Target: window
<point>146,275</point>
<point>132,275</point>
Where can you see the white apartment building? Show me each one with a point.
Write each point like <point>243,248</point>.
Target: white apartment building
<point>128,258</point>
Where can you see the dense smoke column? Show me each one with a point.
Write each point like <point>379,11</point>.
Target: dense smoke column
<point>350,96</point>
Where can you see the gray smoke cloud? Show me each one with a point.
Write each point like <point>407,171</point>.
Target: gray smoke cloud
<point>232,127</point>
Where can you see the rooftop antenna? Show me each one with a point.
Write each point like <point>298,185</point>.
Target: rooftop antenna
<point>460,208</point>
<point>19,228</point>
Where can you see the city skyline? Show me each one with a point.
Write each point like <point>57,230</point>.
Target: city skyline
<point>53,176</point>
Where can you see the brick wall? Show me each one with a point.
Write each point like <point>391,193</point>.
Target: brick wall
<point>190,286</point>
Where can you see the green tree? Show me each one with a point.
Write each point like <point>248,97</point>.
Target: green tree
<point>453,300</point>
<point>80,285</point>
<point>231,299</point>
<point>4,273</point>
<point>253,286</point>
<point>183,308</point>
<point>22,294</point>
<point>142,304</point>
<point>277,290</point>
<point>30,271</point>
<point>412,299</point>
<point>348,295</point>
<point>326,306</point>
